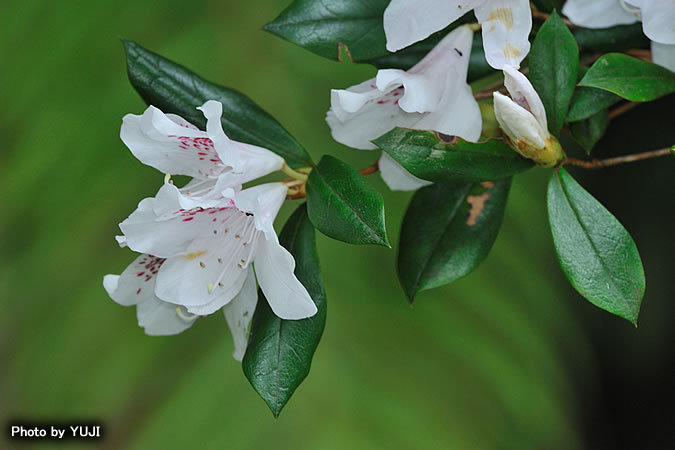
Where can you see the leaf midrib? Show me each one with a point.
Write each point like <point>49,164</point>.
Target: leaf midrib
<point>356,214</point>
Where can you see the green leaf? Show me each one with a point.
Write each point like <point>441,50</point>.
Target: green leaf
<point>449,159</point>
<point>447,231</point>
<point>595,251</point>
<point>613,39</point>
<point>587,102</point>
<point>343,205</point>
<point>321,27</point>
<point>630,78</point>
<point>355,28</point>
<point>554,63</point>
<point>279,352</point>
<point>175,89</point>
<point>588,132</point>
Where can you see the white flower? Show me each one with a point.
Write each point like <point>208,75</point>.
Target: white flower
<point>432,95</point>
<point>523,120</point>
<point>174,146</point>
<point>506,25</point>
<point>136,286</point>
<point>208,247</point>
<point>658,17</point>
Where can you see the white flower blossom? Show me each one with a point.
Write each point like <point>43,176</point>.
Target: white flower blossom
<point>523,119</point>
<point>657,16</point>
<point>202,246</point>
<point>172,145</point>
<point>432,95</point>
<point>506,25</point>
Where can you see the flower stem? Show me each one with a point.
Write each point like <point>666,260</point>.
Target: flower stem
<point>600,163</point>
<point>374,167</point>
<point>292,173</point>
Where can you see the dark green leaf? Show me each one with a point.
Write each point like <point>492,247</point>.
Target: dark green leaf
<point>321,27</point>
<point>343,205</point>
<point>630,78</point>
<point>595,251</point>
<point>554,63</point>
<point>175,89</point>
<point>588,132</point>
<point>279,353</point>
<point>613,39</point>
<point>448,231</point>
<point>587,102</point>
<point>448,159</point>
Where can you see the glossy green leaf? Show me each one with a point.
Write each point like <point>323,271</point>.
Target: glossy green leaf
<point>595,251</point>
<point>588,132</point>
<point>554,63</point>
<point>612,39</point>
<point>175,89</point>
<point>321,27</point>
<point>343,205</point>
<point>279,353</point>
<point>447,231</point>
<point>587,102</point>
<point>448,159</point>
<point>630,78</point>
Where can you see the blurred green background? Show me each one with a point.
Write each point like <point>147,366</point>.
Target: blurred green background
<point>509,357</point>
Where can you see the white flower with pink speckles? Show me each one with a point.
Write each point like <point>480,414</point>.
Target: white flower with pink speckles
<point>172,145</point>
<point>432,95</point>
<point>204,252</point>
<point>202,246</point>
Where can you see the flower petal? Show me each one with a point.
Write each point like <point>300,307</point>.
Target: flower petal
<point>425,83</point>
<point>517,122</point>
<point>597,13</point>
<point>136,286</point>
<point>264,201</point>
<point>357,117</point>
<point>166,224</point>
<point>238,314</point>
<point>170,145</point>
<point>212,271</point>
<point>247,161</point>
<point>506,26</point>
<point>658,20</point>
<point>664,55</point>
<point>523,93</point>
<point>274,267</point>
<point>396,177</point>
<point>160,318</point>
<point>407,21</point>
<point>437,83</point>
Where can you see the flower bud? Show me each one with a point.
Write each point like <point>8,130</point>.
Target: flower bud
<point>523,121</point>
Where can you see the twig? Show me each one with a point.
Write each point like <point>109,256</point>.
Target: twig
<point>544,16</point>
<point>640,53</point>
<point>616,112</point>
<point>600,163</point>
<point>370,169</point>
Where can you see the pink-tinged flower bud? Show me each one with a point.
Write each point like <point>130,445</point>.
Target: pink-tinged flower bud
<point>522,118</point>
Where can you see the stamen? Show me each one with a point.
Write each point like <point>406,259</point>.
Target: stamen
<point>184,315</point>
